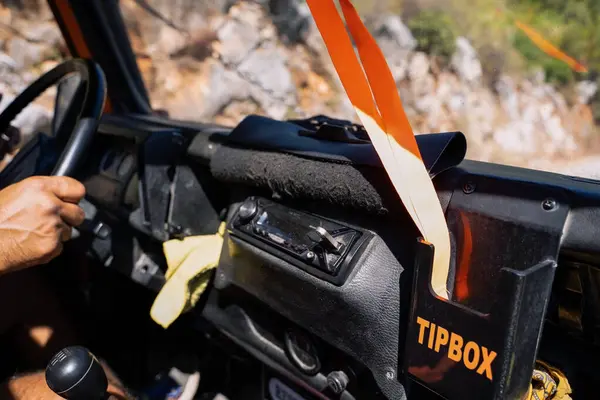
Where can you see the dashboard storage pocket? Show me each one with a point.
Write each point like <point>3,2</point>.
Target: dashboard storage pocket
<point>464,354</point>
<point>482,342</point>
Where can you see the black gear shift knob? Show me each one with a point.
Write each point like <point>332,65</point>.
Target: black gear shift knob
<point>75,373</point>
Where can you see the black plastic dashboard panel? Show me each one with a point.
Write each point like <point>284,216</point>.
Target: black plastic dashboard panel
<point>508,237</point>
<point>359,318</point>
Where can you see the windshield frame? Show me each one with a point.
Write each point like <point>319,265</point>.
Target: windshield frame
<point>95,29</point>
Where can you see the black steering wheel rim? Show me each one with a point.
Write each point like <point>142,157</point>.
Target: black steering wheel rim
<point>93,81</point>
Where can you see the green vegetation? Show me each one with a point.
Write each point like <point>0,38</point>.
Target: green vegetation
<point>571,25</point>
<point>556,70</point>
<point>435,33</point>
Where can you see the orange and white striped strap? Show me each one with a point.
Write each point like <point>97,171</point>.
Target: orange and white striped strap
<point>374,95</point>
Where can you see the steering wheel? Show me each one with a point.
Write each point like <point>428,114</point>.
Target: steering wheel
<point>75,134</point>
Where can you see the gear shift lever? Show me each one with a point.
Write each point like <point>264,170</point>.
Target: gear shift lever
<point>75,373</point>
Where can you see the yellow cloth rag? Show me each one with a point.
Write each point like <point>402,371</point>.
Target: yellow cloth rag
<point>548,383</point>
<point>189,263</point>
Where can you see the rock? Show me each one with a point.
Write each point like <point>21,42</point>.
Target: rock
<point>396,42</point>
<point>422,95</point>
<point>465,62</point>
<point>26,54</point>
<point>418,67</point>
<point>266,68</point>
<point>457,102</point>
<point>272,82</point>
<point>526,87</point>
<point>448,91</point>
<point>481,111</point>
<point>314,93</point>
<point>248,12</point>
<point>33,119</point>
<point>586,90</point>
<point>390,28</point>
<point>558,100</point>
<point>314,41</point>
<point>239,35</point>
<point>7,62</point>
<point>46,32</point>
<point>580,123</point>
<point>195,22</point>
<point>426,104</point>
<point>28,76</point>
<point>169,41</point>
<point>552,127</point>
<point>292,19</point>
<point>12,82</point>
<point>516,137</point>
<point>268,33</point>
<point>200,94</point>
<point>538,76</point>
<point>221,88</point>
<point>559,138</point>
<point>435,115</point>
<point>509,98</point>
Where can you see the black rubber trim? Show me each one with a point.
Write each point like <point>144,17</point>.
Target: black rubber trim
<point>440,151</point>
<point>107,38</point>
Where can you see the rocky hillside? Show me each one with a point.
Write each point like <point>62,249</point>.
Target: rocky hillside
<point>222,60</point>
<point>30,44</point>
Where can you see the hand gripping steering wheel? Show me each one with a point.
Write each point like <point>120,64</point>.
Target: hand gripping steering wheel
<point>75,134</point>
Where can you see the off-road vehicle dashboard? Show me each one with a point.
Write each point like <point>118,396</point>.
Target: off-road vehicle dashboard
<point>322,276</point>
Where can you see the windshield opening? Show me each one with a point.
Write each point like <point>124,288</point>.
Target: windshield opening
<point>517,77</point>
<point>30,45</point>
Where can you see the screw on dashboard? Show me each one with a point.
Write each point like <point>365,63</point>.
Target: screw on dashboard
<point>337,381</point>
<point>469,187</point>
<point>549,204</point>
<point>390,374</point>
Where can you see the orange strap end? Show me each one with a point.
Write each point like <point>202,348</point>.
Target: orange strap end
<point>549,48</point>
